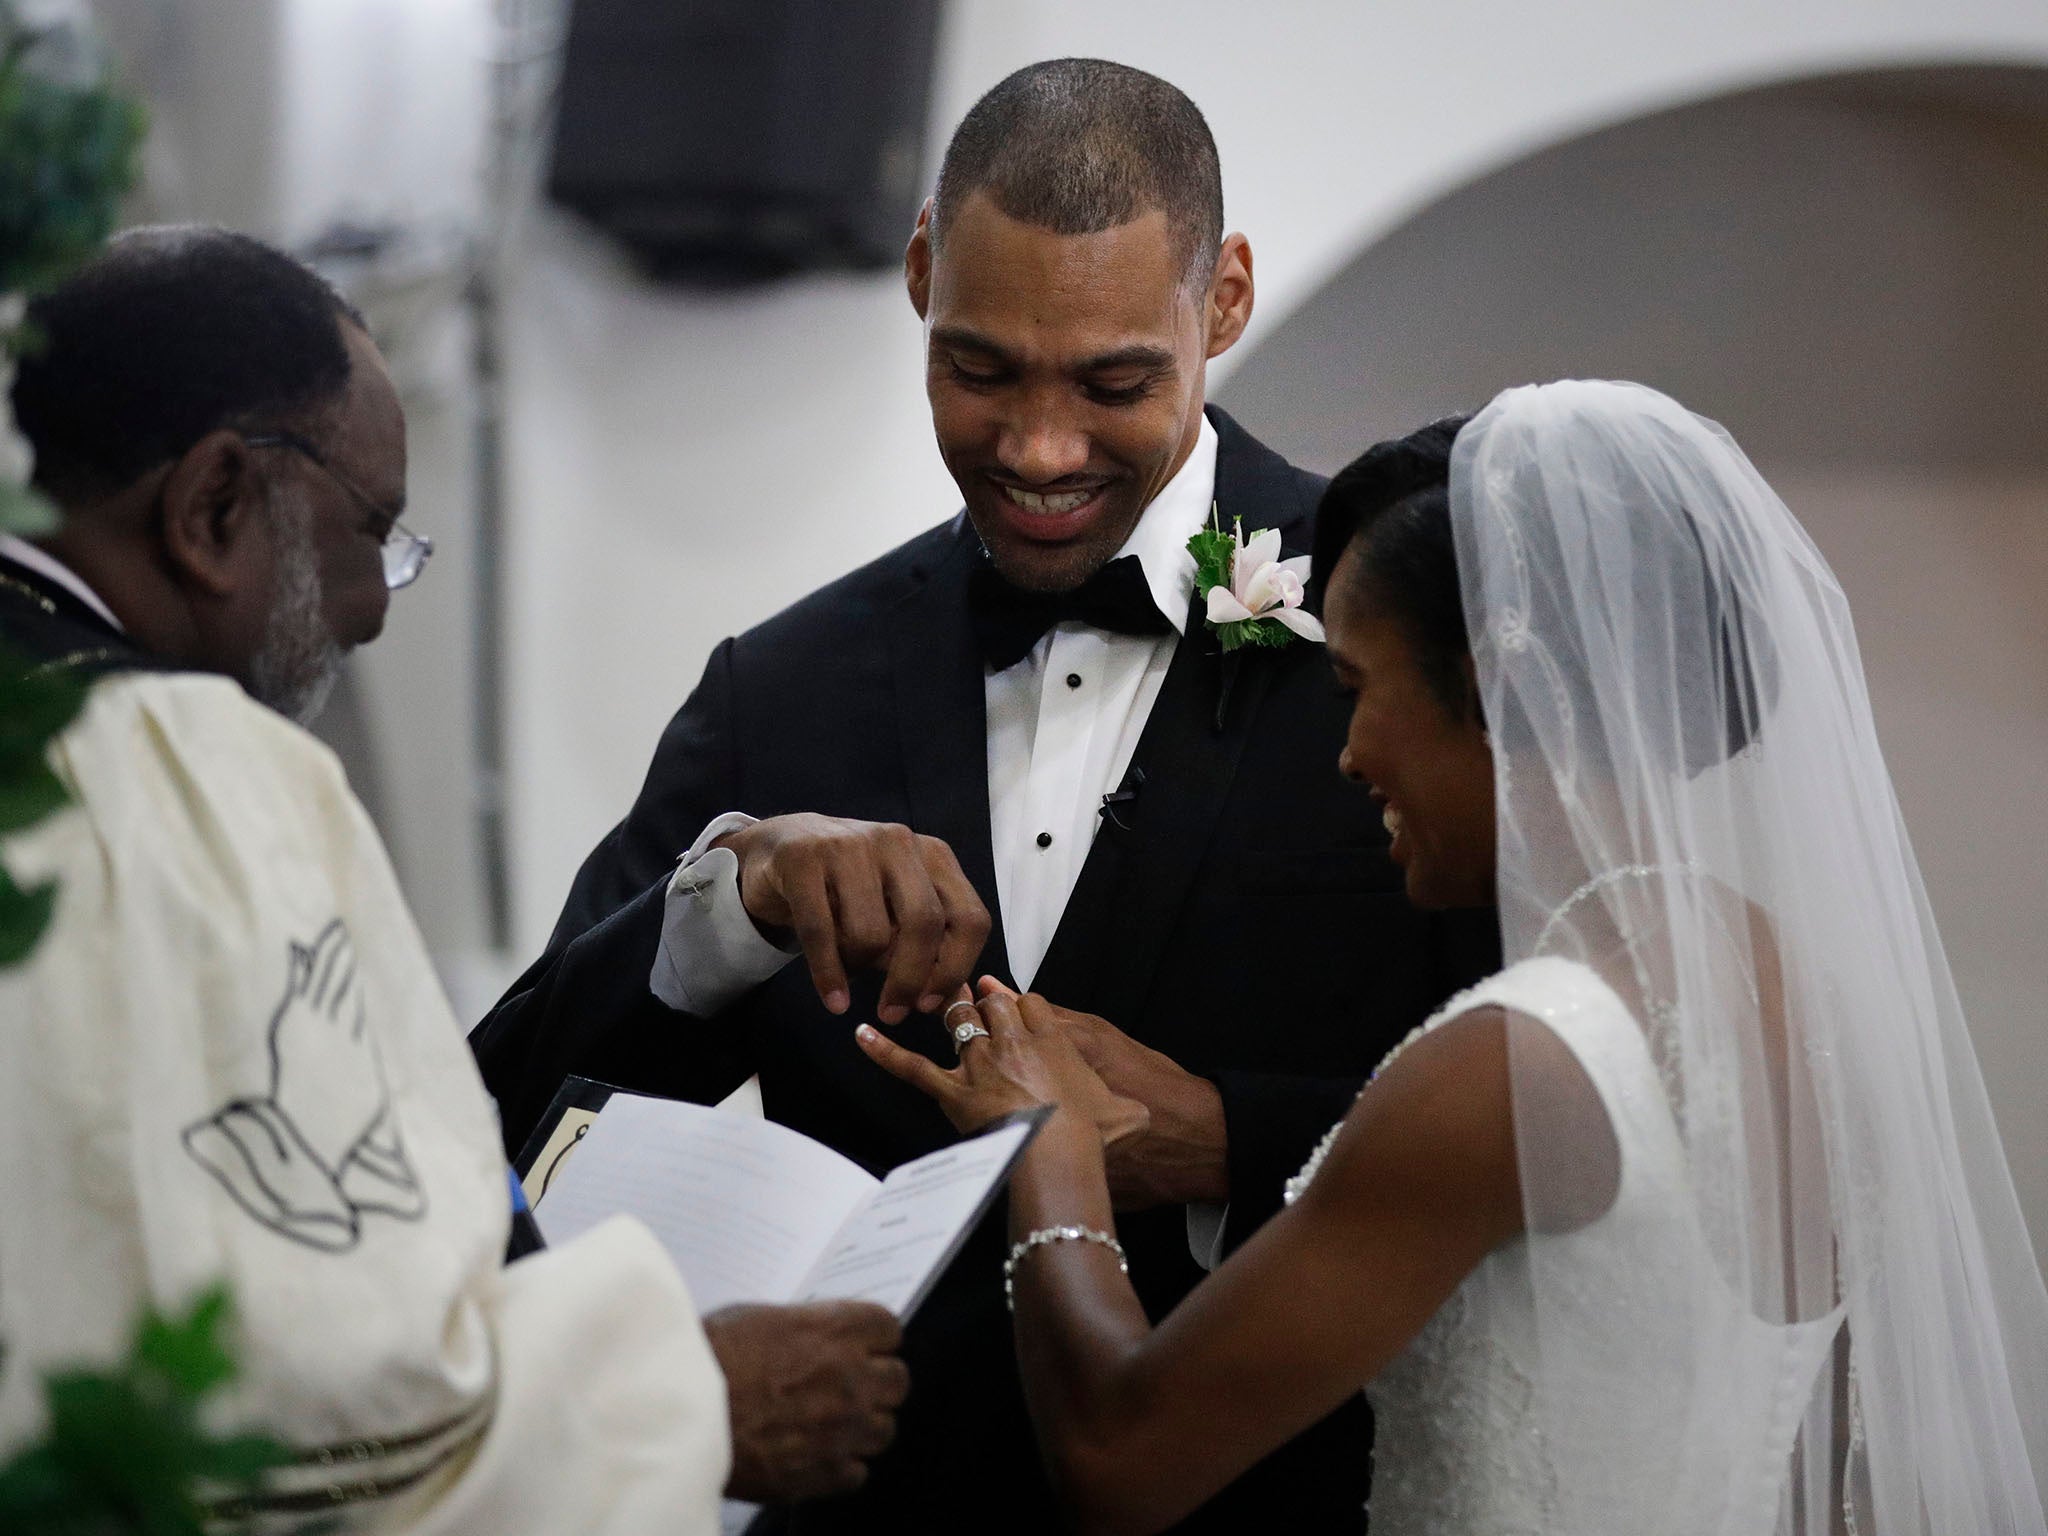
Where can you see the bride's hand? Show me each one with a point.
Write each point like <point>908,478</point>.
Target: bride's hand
<point>1018,1066</point>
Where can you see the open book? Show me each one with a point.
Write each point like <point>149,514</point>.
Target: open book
<point>752,1211</point>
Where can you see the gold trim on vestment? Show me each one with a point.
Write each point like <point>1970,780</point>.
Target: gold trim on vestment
<point>459,1434</point>
<point>29,592</point>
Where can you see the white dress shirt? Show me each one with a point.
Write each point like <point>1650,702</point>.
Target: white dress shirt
<point>1064,721</point>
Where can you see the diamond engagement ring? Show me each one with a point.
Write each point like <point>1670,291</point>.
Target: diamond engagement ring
<point>966,1030</point>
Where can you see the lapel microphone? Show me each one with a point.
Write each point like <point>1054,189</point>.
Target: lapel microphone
<point>1124,795</point>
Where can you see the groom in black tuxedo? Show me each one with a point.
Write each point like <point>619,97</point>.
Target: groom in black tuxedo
<point>1013,746</point>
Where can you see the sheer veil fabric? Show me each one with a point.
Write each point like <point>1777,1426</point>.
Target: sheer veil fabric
<point>1692,802</point>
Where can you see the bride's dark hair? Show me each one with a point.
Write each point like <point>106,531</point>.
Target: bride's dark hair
<point>1392,505</point>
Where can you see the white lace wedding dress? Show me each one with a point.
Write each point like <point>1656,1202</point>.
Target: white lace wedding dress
<point>1461,1445</point>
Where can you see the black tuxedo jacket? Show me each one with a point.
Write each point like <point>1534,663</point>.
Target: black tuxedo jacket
<point>1243,919</point>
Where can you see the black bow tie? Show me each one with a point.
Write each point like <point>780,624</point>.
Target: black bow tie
<point>1009,621</point>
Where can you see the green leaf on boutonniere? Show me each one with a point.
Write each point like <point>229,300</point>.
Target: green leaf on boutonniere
<point>1213,550</point>
<point>1252,632</point>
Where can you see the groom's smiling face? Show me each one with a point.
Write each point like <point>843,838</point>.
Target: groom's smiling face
<point>1066,376</point>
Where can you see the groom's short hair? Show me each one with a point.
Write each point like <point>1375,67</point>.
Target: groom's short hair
<point>1082,145</point>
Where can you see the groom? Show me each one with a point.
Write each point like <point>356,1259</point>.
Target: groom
<point>1012,745</point>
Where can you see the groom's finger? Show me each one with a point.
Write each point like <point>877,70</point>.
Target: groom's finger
<point>966,923</point>
<point>920,921</point>
<point>811,919</point>
<point>921,1072</point>
<point>860,909</point>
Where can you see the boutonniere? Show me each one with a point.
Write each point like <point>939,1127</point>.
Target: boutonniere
<point>1253,596</point>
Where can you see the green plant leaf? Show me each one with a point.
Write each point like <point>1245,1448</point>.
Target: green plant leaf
<point>1212,549</point>
<point>24,914</point>
<point>125,1452</point>
<point>1269,633</point>
<point>187,1351</point>
<point>127,1449</point>
<point>67,154</point>
<point>29,791</point>
<point>35,705</point>
<point>36,1494</point>
<point>239,1459</point>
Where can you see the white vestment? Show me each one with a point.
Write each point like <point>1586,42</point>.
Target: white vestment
<point>230,1060</point>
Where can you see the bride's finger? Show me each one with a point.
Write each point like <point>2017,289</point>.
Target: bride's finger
<point>921,1072</point>
<point>990,987</point>
<point>999,1013</point>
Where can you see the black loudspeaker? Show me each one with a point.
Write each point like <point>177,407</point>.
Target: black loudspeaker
<point>738,140</point>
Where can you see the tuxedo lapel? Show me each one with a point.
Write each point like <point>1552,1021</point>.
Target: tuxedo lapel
<point>942,710</point>
<point>1139,869</point>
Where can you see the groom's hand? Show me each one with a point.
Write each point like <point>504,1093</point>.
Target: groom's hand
<point>812,1392</point>
<point>863,893</point>
<point>1181,1154</point>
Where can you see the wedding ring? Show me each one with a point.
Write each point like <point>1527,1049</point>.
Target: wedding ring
<point>966,1030</point>
<point>963,1003</point>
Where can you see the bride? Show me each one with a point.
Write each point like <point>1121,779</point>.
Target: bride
<point>1691,1219</point>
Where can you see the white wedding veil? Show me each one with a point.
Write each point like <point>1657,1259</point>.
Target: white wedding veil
<point>1692,801</point>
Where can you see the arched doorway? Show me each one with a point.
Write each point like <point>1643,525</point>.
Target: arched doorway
<point>1848,273</point>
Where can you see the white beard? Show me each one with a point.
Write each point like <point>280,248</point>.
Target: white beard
<point>299,661</point>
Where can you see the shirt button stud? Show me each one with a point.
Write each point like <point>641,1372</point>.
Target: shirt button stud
<point>1045,839</point>
<point>1073,679</point>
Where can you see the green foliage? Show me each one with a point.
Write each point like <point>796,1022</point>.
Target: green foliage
<point>1213,550</point>
<point>35,704</point>
<point>1270,633</point>
<point>24,914</point>
<point>125,1451</point>
<point>67,155</point>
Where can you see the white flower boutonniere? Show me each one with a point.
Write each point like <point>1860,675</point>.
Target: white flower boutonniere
<point>1253,596</point>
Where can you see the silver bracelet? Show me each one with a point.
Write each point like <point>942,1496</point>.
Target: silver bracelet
<point>1046,1235</point>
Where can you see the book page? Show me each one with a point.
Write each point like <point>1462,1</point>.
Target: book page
<point>743,1206</point>
<point>893,1247</point>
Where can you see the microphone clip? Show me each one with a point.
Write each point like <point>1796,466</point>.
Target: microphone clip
<point>1124,795</point>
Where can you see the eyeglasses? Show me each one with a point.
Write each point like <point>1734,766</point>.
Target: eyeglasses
<point>405,553</point>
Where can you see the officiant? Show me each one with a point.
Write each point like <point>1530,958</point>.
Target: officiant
<point>229,1061</point>
<point>1017,745</point>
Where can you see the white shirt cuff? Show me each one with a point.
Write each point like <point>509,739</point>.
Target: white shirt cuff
<point>1205,1231</point>
<point>711,953</point>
